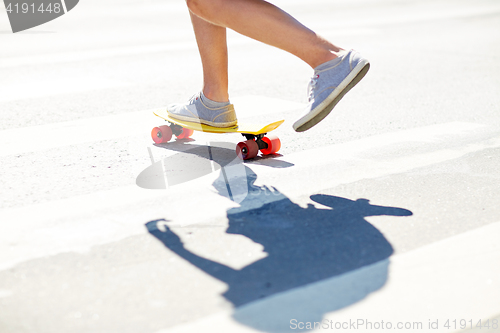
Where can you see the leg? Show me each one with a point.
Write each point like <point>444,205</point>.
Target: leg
<point>212,46</point>
<point>267,23</point>
<point>211,106</point>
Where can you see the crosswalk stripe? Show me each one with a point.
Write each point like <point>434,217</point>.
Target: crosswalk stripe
<point>71,56</point>
<point>53,87</point>
<point>116,126</point>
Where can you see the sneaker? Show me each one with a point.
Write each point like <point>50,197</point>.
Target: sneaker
<point>331,81</point>
<point>196,110</point>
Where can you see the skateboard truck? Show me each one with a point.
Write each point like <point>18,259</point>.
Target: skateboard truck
<point>257,138</point>
<point>176,129</point>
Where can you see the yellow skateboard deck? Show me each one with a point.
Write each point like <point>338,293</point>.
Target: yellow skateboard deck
<point>254,133</point>
<point>243,128</point>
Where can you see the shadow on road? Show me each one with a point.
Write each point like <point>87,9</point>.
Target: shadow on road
<point>304,245</point>
<point>195,161</point>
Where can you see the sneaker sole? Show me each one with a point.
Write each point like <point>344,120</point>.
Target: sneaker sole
<point>349,82</point>
<point>202,121</point>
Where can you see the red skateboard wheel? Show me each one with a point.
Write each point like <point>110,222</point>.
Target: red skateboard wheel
<point>161,134</point>
<point>186,133</point>
<point>247,149</point>
<point>273,145</point>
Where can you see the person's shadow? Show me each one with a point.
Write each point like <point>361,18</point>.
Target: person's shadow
<point>304,245</point>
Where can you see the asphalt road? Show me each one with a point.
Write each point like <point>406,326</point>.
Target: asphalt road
<point>383,217</point>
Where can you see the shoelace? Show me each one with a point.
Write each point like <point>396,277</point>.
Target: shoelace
<point>194,98</point>
<point>312,85</point>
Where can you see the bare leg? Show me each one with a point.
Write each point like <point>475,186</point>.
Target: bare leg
<point>212,46</point>
<point>267,23</point>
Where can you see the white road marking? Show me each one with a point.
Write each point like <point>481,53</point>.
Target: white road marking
<point>66,57</point>
<point>72,132</point>
<point>116,126</point>
<point>50,228</point>
<point>449,278</point>
<point>52,87</point>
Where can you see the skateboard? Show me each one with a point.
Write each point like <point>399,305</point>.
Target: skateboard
<point>255,134</point>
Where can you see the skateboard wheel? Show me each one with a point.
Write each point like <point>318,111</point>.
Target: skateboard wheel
<point>186,133</point>
<point>247,149</point>
<point>161,134</point>
<point>273,144</point>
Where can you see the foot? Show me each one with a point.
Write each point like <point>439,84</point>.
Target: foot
<point>200,109</point>
<point>331,81</point>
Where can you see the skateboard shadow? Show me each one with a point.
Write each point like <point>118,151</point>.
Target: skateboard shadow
<point>304,246</point>
<point>194,161</point>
